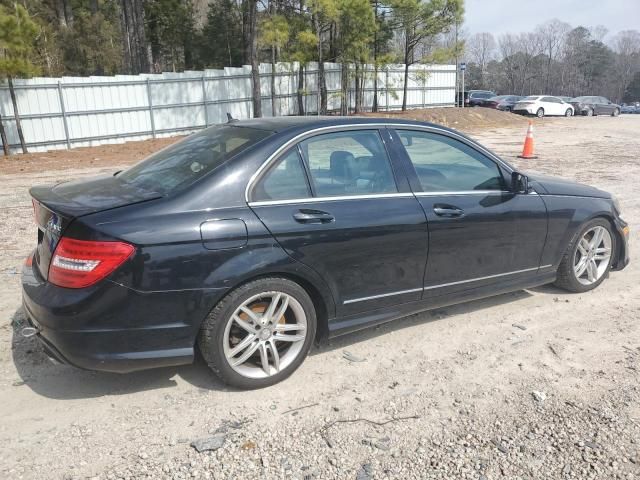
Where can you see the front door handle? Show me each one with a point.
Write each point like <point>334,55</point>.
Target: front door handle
<point>313,216</point>
<point>448,211</point>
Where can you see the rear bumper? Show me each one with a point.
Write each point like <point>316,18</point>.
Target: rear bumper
<point>113,328</point>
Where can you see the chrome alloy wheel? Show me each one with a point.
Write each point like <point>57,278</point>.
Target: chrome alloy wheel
<point>592,256</point>
<point>265,334</point>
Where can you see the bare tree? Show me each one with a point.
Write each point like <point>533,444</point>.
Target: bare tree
<point>481,49</point>
<point>627,46</point>
<point>552,36</point>
<point>518,56</point>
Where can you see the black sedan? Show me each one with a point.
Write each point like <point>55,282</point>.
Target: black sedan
<point>254,238</point>
<point>590,106</point>
<point>501,102</point>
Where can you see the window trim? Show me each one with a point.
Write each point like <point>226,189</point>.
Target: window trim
<point>504,169</point>
<point>275,164</point>
<point>391,127</point>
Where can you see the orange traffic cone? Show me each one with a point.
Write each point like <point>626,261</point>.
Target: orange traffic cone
<point>527,151</point>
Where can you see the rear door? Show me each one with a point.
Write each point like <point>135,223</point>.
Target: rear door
<point>479,231</point>
<point>338,203</point>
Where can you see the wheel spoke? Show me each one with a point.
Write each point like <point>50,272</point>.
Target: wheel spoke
<point>275,354</point>
<point>244,324</point>
<point>598,233</point>
<point>602,253</point>
<point>251,314</point>
<point>287,338</point>
<point>242,345</point>
<point>275,300</point>
<point>248,352</point>
<point>281,311</point>
<point>264,358</point>
<point>583,246</point>
<point>581,267</point>
<point>592,271</point>
<point>290,327</point>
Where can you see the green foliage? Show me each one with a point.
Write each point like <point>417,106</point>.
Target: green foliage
<point>17,37</point>
<point>274,31</point>
<point>170,31</point>
<point>220,42</point>
<point>356,24</point>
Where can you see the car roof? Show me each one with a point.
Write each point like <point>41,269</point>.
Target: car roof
<point>280,124</point>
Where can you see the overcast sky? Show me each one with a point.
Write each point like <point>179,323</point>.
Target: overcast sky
<point>502,16</point>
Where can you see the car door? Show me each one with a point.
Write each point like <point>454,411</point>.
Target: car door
<point>338,203</point>
<point>551,106</point>
<point>607,106</point>
<point>479,231</point>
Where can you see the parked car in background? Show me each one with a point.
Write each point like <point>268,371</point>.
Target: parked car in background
<point>472,98</point>
<point>248,238</point>
<point>564,99</point>
<point>594,106</point>
<point>501,102</point>
<point>541,105</point>
<point>629,109</point>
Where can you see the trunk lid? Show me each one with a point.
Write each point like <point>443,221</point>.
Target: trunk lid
<point>55,207</point>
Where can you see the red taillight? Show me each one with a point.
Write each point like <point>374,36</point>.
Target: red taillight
<point>81,263</point>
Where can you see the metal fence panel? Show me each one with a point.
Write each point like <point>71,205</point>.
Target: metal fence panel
<point>84,111</point>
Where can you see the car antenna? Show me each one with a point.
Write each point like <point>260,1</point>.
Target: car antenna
<point>230,119</point>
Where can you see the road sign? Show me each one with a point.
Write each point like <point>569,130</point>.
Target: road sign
<point>463,66</point>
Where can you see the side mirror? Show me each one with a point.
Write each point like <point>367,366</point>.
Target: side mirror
<point>519,183</point>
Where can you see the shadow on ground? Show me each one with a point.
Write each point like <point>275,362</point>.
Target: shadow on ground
<point>65,382</point>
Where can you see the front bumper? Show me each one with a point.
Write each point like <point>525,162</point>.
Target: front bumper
<point>623,232</point>
<point>109,327</point>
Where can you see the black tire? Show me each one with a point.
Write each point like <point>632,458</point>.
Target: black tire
<point>568,113</point>
<point>211,336</point>
<point>540,113</point>
<point>566,278</point>
<point>589,112</point>
<point>615,113</point>
<point>507,109</point>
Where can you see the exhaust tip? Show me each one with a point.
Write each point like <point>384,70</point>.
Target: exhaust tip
<point>28,332</point>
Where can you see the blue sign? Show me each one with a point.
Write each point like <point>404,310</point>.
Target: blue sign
<point>463,66</point>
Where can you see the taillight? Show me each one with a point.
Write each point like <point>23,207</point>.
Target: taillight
<point>81,263</point>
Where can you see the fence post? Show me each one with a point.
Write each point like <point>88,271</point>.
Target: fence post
<point>64,116</point>
<point>153,124</point>
<point>204,102</point>
<point>424,86</point>
<point>386,87</point>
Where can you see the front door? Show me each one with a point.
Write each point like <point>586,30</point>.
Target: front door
<point>336,203</point>
<point>479,231</point>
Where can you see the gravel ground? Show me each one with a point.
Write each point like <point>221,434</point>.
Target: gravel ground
<point>537,384</point>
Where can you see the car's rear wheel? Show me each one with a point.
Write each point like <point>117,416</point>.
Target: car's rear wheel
<point>507,109</point>
<point>589,112</point>
<point>568,113</point>
<point>259,334</point>
<point>540,113</point>
<point>587,260</point>
<point>615,113</point>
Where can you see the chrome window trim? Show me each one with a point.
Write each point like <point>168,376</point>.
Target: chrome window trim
<point>413,290</point>
<point>329,199</point>
<point>363,126</point>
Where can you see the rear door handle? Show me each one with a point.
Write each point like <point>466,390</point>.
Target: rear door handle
<point>448,211</point>
<point>313,216</point>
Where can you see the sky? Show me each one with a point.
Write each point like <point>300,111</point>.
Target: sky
<point>502,16</point>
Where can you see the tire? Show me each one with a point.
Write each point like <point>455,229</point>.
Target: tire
<point>507,109</point>
<point>568,113</point>
<point>540,113</point>
<point>567,278</point>
<point>221,328</point>
<point>615,113</point>
<point>589,112</point>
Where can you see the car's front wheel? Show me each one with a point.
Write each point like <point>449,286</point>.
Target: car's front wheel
<point>589,112</point>
<point>615,113</point>
<point>540,113</point>
<point>568,112</point>
<point>259,334</point>
<point>587,260</point>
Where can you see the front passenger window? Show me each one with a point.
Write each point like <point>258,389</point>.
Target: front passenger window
<point>444,164</point>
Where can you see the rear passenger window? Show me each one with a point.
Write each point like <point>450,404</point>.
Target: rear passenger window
<point>444,164</point>
<point>285,180</point>
<point>348,163</point>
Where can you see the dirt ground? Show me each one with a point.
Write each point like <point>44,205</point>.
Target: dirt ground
<point>537,384</point>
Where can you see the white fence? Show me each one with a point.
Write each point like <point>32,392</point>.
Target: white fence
<point>83,111</point>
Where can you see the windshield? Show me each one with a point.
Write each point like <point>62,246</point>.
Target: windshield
<point>181,164</point>
<point>532,97</point>
<point>499,97</point>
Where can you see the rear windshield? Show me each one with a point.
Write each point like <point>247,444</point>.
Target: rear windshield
<point>581,99</point>
<point>532,97</point>
<point>181,164</point>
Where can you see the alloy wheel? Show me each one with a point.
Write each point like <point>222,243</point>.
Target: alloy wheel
<point>265,334</point>
<point>591,258</point>
<point>540,113</point>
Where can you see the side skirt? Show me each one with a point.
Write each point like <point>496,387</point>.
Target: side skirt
<point>342,326</point>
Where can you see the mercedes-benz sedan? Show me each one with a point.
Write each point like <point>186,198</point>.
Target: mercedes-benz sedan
<point>254,238</point>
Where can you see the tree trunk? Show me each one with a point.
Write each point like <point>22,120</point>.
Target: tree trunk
<point>322,83</point>
<point>344,87</point>
<point>374,107</point>
<point>301,90</point>
<point>16,115</point>
<point>356,108</point>
<point>273,82</point>
<point>137,52</point>
<point>3,136</point>
<point>256,95</point>
<point>404,87</point>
